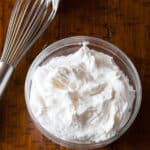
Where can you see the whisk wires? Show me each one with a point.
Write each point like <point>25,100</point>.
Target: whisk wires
<point>28,21</point>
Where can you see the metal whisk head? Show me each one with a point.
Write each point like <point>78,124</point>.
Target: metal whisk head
<point>29,19</point>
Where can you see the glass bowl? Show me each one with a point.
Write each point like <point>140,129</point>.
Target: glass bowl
<point>70,45</point>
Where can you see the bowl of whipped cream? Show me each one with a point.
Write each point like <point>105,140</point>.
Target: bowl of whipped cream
<point>83,92</point>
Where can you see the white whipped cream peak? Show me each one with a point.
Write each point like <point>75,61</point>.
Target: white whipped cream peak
<point>82,97</point>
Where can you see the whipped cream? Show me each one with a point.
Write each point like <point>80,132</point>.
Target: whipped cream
<point>82,97</point>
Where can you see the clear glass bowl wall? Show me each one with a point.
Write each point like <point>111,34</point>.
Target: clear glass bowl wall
<point>68,46</point>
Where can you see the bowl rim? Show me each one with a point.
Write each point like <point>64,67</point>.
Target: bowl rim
<point>74,40</point>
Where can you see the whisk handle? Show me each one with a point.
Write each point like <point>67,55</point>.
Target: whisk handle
<point>5,74</point>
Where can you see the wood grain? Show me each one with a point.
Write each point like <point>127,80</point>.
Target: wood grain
<point>125,23</point>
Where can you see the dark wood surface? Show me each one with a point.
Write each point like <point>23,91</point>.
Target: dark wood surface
<point>126,23</point>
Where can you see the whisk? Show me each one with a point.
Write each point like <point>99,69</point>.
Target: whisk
<point>28,21</point>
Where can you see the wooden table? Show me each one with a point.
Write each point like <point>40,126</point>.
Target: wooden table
<point>126,23</point>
